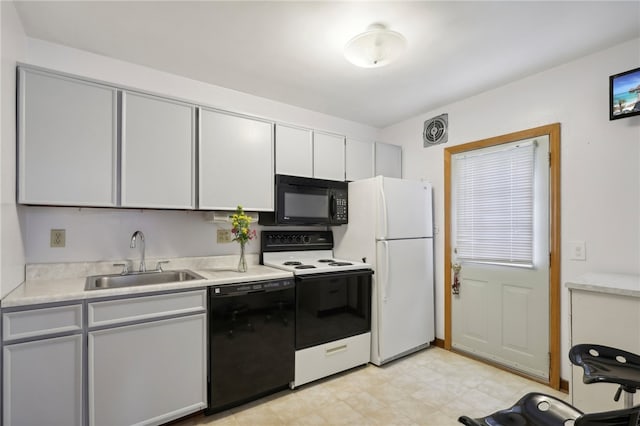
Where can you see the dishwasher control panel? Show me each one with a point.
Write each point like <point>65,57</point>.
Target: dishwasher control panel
<point>252,287</point>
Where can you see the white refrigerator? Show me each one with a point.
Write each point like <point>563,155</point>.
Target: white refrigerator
<point>391,227</point>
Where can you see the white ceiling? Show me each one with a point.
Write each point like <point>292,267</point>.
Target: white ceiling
<point>292,51</point>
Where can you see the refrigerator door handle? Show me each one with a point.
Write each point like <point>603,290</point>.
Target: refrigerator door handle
<point>383,207</point>
<point>385,286</point>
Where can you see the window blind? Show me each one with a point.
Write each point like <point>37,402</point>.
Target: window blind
<point>494,205</point>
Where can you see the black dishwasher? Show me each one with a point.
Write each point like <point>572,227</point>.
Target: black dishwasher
<point>251,341</point>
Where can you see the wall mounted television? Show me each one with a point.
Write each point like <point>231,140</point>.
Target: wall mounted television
<point>624,94</point>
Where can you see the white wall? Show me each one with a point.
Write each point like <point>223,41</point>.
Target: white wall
<point>12,49</point>
<point>104,234</point>
<point>74,61</point>
<point>600,177</point>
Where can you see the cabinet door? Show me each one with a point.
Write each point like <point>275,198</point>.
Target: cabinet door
<point>294,151</point>
<point>388,160</point>
<point>157,152</point>
<point>236,162</point>
<point>148,373</point>
<point>603,319</point>
<point>43,382</point>
<point>328,156</point>
<point>66,141</point>
<point>358,159</point>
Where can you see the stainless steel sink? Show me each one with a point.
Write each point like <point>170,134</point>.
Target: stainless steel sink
<point>98,282</point>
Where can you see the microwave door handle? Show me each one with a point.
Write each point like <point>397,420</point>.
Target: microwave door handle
<point>332,206</point>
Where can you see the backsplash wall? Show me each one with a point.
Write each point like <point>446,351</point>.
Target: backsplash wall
<point>98,234</point>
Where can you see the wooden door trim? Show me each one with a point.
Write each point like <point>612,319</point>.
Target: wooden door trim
<point>553,130</point>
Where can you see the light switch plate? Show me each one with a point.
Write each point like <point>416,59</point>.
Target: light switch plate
<point>577,250</point>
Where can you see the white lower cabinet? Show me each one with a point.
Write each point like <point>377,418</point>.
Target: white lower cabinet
<point>42,366</point>
<point>602,319</point>
<point>147,373</point>
<point>42,382</point>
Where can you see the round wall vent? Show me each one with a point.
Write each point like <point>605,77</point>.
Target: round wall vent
<point>436,130</point>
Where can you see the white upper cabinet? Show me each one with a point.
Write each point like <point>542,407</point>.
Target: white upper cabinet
<point>67,146</point>
<point>359,157</point>
<point>306,153</point>
<point>388,160</point>
<point>236,162</point>
<point>328,156</point>
<point>158,152</point>
<point>294,151</point>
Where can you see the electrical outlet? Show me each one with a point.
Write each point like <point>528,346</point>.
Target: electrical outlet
<point>223,236</point>
<point>58,238</point>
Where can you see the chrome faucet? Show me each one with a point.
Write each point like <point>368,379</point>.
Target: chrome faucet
<point>135,235</point>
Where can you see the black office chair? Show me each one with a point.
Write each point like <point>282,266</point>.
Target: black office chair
<point>537,409</point>
<point>604,364</point>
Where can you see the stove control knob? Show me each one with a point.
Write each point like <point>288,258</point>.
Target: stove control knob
<point>306,239</point>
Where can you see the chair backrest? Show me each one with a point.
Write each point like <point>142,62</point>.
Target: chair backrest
<point>624,417</point>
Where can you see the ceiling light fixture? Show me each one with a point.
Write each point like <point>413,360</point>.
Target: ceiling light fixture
<point>376,47</point>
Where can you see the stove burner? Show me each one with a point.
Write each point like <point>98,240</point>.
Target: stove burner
<point>304,267</point>
<point>340,264</point>
<point>292,263</point>
<point>326,260</point>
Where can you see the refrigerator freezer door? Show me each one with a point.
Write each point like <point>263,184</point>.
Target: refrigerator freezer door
<point>404,209</point>
<point>405,306</point>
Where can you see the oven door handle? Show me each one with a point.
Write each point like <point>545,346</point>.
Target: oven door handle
<point>331,275</point>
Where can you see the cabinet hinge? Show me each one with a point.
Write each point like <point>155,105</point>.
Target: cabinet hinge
<point>549,160</point>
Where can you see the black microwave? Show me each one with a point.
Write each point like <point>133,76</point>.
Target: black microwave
<point>307,201</point>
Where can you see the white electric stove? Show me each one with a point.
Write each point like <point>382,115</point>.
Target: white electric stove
<point>333,302</point>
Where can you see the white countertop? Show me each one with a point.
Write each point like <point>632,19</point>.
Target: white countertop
<point>620,284</point>
<point>61,282</point>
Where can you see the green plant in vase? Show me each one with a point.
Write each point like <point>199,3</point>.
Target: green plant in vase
<point>242,234</point>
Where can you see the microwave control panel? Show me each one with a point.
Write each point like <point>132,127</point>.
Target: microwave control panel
<point>341,212</point>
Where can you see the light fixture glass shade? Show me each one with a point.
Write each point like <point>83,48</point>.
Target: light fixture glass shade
<point>375,47</point>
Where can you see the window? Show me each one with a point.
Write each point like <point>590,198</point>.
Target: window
<point>494,206</point>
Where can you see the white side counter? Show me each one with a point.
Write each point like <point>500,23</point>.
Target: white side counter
<point>605,310</point>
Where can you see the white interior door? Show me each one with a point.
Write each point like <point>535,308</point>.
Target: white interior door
<point>501,312</point>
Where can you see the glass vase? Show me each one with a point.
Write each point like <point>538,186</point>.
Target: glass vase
<point>242,263</point>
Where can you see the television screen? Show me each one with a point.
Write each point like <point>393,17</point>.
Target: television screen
<point>624,94</point>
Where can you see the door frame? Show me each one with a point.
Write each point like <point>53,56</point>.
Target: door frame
<point>553,130</point>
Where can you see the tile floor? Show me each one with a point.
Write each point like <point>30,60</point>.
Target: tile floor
<point>432,387</point>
